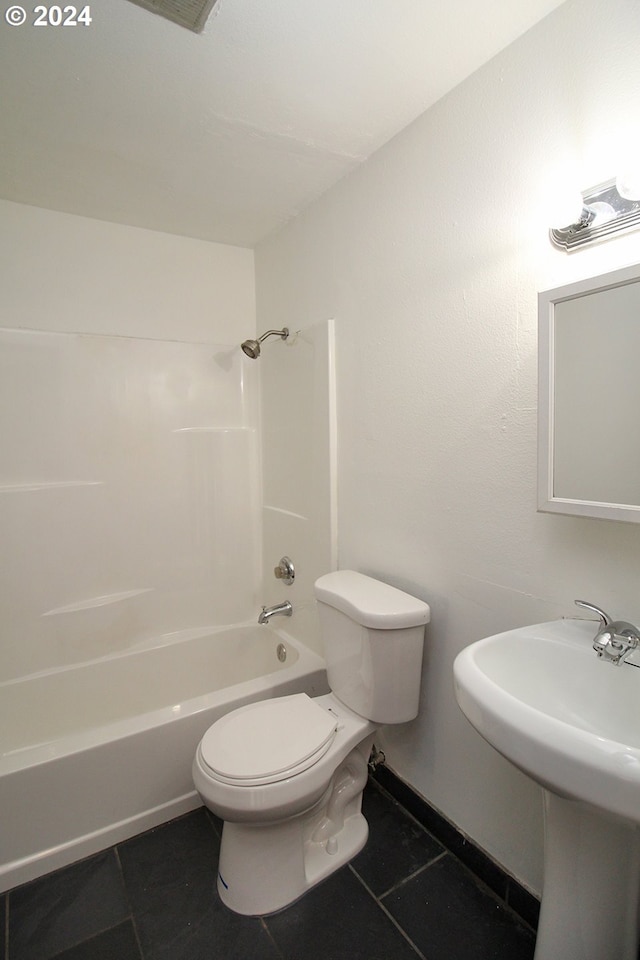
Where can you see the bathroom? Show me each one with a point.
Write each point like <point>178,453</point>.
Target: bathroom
<point>423,266</point>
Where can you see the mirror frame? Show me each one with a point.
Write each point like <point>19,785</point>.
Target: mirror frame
<point>547,300</point>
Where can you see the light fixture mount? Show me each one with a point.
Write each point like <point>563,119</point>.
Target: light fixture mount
<point>605,213</point>
<point>191,14</point>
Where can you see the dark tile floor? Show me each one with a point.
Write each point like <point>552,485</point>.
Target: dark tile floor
<point>154,898</point>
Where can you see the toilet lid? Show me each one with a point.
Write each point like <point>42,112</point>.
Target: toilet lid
<point>268,741</point>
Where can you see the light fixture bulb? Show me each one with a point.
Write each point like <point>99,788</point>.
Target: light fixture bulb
<point>603,212</point>
<point>628,184</point>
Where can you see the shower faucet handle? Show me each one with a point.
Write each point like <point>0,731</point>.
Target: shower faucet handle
<point>285,571</point>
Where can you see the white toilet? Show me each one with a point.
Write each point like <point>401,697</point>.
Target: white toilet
<point>286,775</point>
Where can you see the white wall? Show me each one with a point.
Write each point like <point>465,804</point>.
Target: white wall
<point>63,272</point>
<point>129,484</point>
<point>430,258</point>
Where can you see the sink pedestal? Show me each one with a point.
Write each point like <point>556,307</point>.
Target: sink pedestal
<point>571,722</point>
<point>590,901</point>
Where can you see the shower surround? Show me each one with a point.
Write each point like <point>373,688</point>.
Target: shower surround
<point>129,494</point>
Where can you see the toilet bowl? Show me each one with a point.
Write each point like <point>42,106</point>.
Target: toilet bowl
<point>286,775</point>
<point>282,836</point>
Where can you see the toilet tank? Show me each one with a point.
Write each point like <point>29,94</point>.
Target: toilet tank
<point>373,638</point>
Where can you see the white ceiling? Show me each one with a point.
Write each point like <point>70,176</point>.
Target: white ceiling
<point>227,134</point>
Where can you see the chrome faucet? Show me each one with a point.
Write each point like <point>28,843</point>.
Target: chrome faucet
<point>279,610</point>
<point>615,639</point>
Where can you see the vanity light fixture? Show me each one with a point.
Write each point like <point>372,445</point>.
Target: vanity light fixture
<point>607,209</point>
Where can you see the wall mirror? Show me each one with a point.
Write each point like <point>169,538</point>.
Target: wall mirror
<point>589,397</point>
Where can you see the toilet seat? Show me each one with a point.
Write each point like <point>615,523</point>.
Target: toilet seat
<point>268,741</point>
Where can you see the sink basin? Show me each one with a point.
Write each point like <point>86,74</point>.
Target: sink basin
<point>544,700</point>
<point>571,721</point>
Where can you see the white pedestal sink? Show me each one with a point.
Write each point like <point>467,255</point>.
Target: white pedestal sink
<point>542,698</point>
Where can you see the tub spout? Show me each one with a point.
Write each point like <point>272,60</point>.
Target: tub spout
<point>279,610</point>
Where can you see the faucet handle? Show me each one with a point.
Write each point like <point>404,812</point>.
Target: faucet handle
<point>605,619</point>
<point>285,571</point>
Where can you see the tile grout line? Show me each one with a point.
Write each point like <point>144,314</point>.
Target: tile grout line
<point>490,892</point>
<point>510,882</point>
<point>416,873</point>
<point>94,936</point>
<point>393,920</point>
<point>502,898</point>
<point>116,851</point>
<point>276,945</point>
<point>386,793</point>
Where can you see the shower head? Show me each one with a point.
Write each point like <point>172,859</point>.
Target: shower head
<point>252,347</point>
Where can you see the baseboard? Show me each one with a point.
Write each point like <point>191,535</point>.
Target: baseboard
<point>525,904</point>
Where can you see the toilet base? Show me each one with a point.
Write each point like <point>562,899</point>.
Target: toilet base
<point>266,866</point>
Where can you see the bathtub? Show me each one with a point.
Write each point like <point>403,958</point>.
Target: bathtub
<point>96,753</point>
